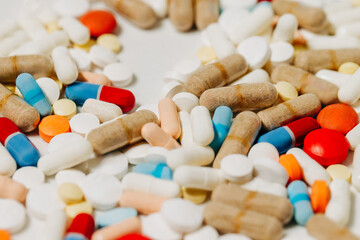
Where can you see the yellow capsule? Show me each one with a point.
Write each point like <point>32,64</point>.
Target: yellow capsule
<point>70,193</point>
<point>206,54</point>
<point>339,171</point>
<point>77,208</point>
<point>86,47</point>
<point>286,91</point>
<point>196,196</point>
<point>109,41</point>
<point>65,107</point>
<point>348,68</point>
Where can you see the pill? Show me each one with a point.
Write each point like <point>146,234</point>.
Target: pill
<point>338,171</point>
<point>173,75</point>
<point>321,227</point>
<point>292,167</point>
<point>339,206</point>
<point>241,97</point>
<point>206,54</point>
<point>134,236</point>
<point>77,32</point>
<point>300,199</point>
<point>285,28</point>
<point>348,93</point>
<point>263,149</point>
<point>119,74</point>
<point>338,18</point>
<point>181,14</point>
<point>49,88</point>
<point>72,210</point>
<point>109,41</point>
<point>311,169</point>
<point>219,41</point>
<point>243,131</point>
<point>185,101</point>
<point>311,18</point>
<point>81,58</point>
<point>95,78</point>
<point>247,4</point>
<point>306,105</point>
<point>32,26</point>
<point>101,56</point>
<point>230,18</point>
<point>137,152</point>
<point>115,231</point>
<point>221,123</point>
<point>155,227</point>
<point>42,200</point>
<point>12,42</point>
<point>233,236</point>
<point>136,11</point>
<point>339,79</point>
<point>114,163</point>
<point>69,156</point>
<point>348,68</point>
<point>13,215</point>
<point>286,91</point>
<point>270,170</point>
<point>144,203</point>
<point>206,12</point>
<point>70,193</point>
<point>65,67</point>
<point>156,155</point>
<point>12,189</point>
<point>5,235</point>
<point>18,145</point>
<point>29,176</point>
<point>9,26</point>
<point>68,8</point>
<point>69,176</point>
<point>83,225</point>
<point>353,137</point>
<point>348,29</point>
<point>290,135</point>
<point>55,225</point>
<point>315,60</point>
<point>114,216</point>
<point>156,136</point>
<point>216,74</point>
<point>320,196</point>
<point>206,232</point>
<point>82,123</point>
<point>260,185</point>
<point>65,108</point>
<point>79,92</point>
<point>201,126</point>
<point>255,50</point>
<point>103,110</point>
<point>92,18</point>
<point>190,155</point>
<point>256,76</point>
<point>171,88</point>
<point>198,177</point>
<point>194,195</point>
<point>237,168</point>
<point>169,117</point>
<point>240,220</point>
<point>53,125</point>
<point>85,47</point>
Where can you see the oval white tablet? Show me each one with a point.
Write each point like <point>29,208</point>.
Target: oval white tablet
<point>29,176</point>
<point>201,125</point>
<point>174,76</point>
<point>187,66</point>
<point>190,155</point>
<point>77,32</point>
<point>237,168</point>
<point>155,227</point>
<point>181,215</point>
<point>70,176</point>
<point>101,56</point>
<point>255,50</point>
<point>114,163</point>
<point>281,52</point>
<point>136,153</point>
<point>102,190</point>
<point>339,79</point>
<point>264,149</point>
<point>61,140</point>
<point>185,101</point>
<point>119,74</point>
<point>82,123</point>
<point>230,19</point>
<point>105,111</point>
<point>270,170</point>
<point>49,88</point>
<point>65,67</point>
<point>171,88</point>
<point>81,58</point>
<point>71,7</point>
<point>13,215</point>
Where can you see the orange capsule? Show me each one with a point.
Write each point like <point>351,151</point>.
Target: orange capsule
<point>291,165</point>
<point>320,196</point>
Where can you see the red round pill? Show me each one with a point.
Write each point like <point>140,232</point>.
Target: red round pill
<point>99,22</point>
<point>133,236</point>
<point>339,117</point>
<point>83,224</point>
<point>326,146</point>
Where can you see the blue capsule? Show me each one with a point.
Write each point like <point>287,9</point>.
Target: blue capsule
<point>22,150</point>
<point>115,215</point>
<point>158,170</point>
<point>221,123</point>
<point>79,92</point>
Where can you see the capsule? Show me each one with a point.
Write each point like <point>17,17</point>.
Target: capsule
<point>12,189</point>
<point>158,170</point>
<point>305,82</point>
<point>290,135</point>
<point>33,94</point>
<point>156,136</point>
<point>103,110</point>
<point>79,92</point>
<point>285,28</point>
<point>242,134</point>
<point>306,105</point>
<point>221,122</point>
<point>83,225</point>
<point>144,203</point>
<point>169,116</point>
<point>190,155</point>
<point>216,74</point>
<point>252,96</point>
<point>181,14</point>
<point>206,12</point>
<point>64,65</point>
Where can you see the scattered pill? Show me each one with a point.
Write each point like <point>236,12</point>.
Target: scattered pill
<point>83,225</point>
<point>49,88</point>
<point>206,54</point>
<point>119,74</point>
<point>196,196</point>
<point>70,193</point>
<point>65,67</point>
<point>53,125</point>
<point>115,215</point>
<point>77,32</point>
<point>291,165</point>
<point>114,163</point>
<point>69,176</point>
<point>348,68</point>
<point>81,59</point>
<point>320,196</point>
<point>181,14</point>
<point>13,215</point>
<point>171,88</point>
<point>29,176</point>
<point>286,91</point>
<point>237,168</point>
<point>185,101</point>
<point>255,50</point>
<point>337,171</point>
<point>263,149</point>
<point>101,56</point>
<point>82,123</point>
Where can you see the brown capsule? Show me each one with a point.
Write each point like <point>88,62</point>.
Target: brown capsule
<point>17,110</point>
<point>315,60</point>
<point>275,206</point>
<point>36,65</point>
<point>206,12</point>
<point>96,78</point>
<point>12,189</point>
<point>119,132</point>
<point>240,97</point>
<point>322,228</point>
<point>305,82</point>
<point>243,131</point>
<point>307,105</point>
<point>144,203</point>
<point>181,14</point>
<point>217,74</point>
<point>230,219</point>
<point>136,11</point>
<point>311,18</point>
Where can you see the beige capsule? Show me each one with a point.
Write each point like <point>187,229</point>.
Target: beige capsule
<point>12,189</point>
<point>36,65</point>
<point>315,60</point>
<point>307,105</point>
<point>275,206</point>
<point>240,97</point>
<point>95,78</point>
<point>156,136</point>
<point>119,132</point>
<point>206,12</point>
<point>117,230</point>
<point>170,121</point>
<point>305,82</point>
<point>217,74</point>
<point>243,131</point>
<point>144,203</point>
<point>310,18</point>
<point>230,219</point>
<point>181,14</point>
<point>17,110</point>
<point>138,12</point>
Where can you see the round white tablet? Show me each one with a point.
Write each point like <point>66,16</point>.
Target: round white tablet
<point>264,149</point>
<point>29,176</point>
<point>70,176</point>
<point>181,215</point>
<point>270,171</point>
<point>187,66</point>
<point>174,76</point>
<point>136,153</point>
<point>172,88</point>
<point>13,215</point>
<point>50,89</point>
<point>42,200</point>
<point>71,7</point>
<point>61,140</point>
<point>82,123</point>
<point>281,52</point>
<point>237,168</point>
<point>255,50</point>
<point>234,236</point>
<point>119,74</point>
<point>102,190</point>
<point>114,163</point>
<point>82,59</point>
<point>151,107</point>
<point>154,227</point>
<point>185,101</point>
<point>101,56</point>
<point>156,155</point>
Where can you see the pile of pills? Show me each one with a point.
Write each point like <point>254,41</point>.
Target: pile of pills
<point>252,136</point>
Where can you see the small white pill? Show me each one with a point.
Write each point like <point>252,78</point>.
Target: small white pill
<point>12,42</point>
<point>62,140</point>
<point>70,176</point>
<point>55,225</point>
<point>237,168</point>
<point>8,27</point>
<point>332,42</point>
<point>7,163</point>
<point>230,18</point>
<point>339,79</point>
<point>156,155</point>
<point>260,185</point>
<point>185,101</point>
<point>256,76</point>
<point>77,32</point>
<point>171,88</point>
<point>219,41</point>
<point>50,89</point>
<point>136,153</point>
<point>65,67</point>
<point>285,28</point>
<point>224,4</point>
<point>281,52</point>
<point>29,176</point>
<point>71,7</point>
<point>270,170</point>
<point>82,123</point>
<point>103,110</point>
<point>201,125</point>
<point>255,50</point>
<point>13,215</point>
<point>206,232</point>
<point>264,149</point>
<point>114,163</point>
<point>155,227</point>
<point>174,76</point>
<point>349,93</point>
<point>101,56</point>
<point>81,58</point>
<point>187,66</point>
<point>119,74</point>
<point>190,155</point>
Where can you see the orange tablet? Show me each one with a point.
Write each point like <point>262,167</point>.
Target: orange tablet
<point>291,165</point>
<point>53,125</point>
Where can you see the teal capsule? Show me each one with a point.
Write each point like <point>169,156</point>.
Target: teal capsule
<point>221,123</point>
<point>158,170</point>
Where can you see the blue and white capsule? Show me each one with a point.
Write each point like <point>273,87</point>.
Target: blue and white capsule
<point>221,123</point>
<point>158,170</point>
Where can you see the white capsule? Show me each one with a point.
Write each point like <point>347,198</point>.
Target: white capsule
<point>198,177</point>
<point>7,163</point>
<point>155,227</point>
<point>206,232</point>
<point>221,44</point>
<point>103,110</point>
<point>353,136</point>
<point>32,26</point>
<point>190,155</point>
<point>255,50</point>
<point>342,17</point>
<point>55,225</point>
<point>260,185</point>
<point>78,33</point>
<point>65,68</point>
<point>136,153</point>
<point>186,137</point>
<point>237,168</point>
<point>332,7</point>
<point>201,126</point>
<point>113,163</point>
<point>149,184</point>
<point>71,7</point>
<point>335,77</point>
<point>230,18</point>
<point>349,29</point>
<point>332,42</point>
<point>185,101</point>
<point>81,58</point>
<point>8,27</point>
<point>264,150</point>
<point>285,28</point>
<point>270,170</point>
<point>12,42</point>
<point>256,76</point>
<point>349,93</point>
